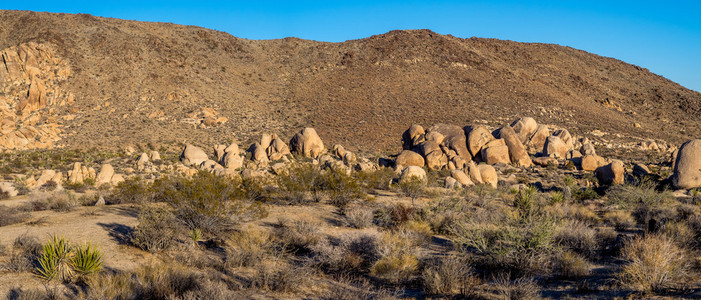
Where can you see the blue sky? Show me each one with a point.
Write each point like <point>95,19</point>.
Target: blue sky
<point>663,36</point>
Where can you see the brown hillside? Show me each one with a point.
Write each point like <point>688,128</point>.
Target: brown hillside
<point>361,93</point>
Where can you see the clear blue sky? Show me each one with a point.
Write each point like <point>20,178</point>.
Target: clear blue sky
<point>663,36</point>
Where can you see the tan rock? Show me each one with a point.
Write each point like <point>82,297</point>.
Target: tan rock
<point>232,160</point>
<point>454,138</point>
<point>496,154</point>
<point>524,128</point>
<point>477,138</point>
<point>612,173</point>
<point>233,148</point>
<point>154,155</point>
<point>566,137</point>
<point>409,158</point>
<point>116,179</point>
<point>461,177</point>
<point>339,151</point>
<point>76,175</point>
<point>193,156</point>
<point>489,175</point>
<point>435,136</point>
<point>46,176</point>
<point>589,163</point>
<point>412,137</point>
<point>307,143</point>
<point>536,142</point>
<point>277,149</point>
<point>436,160</point>
<point>258,153</point>
<point>452,183</point>
<point>517,152</point>
<point>474,173</point>
<point>105,175</point>
<point>412,172</point>
<point>265,140</point>
<point>555,147</point>
<point>687,166</point>
<point>219,151</point>
<point>545,161</point>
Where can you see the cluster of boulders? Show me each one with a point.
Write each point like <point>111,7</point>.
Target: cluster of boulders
<point>29,77</point>
<point>205,117</point>
<point>270,151</point>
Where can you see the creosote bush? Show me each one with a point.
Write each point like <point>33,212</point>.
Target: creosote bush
<point>655,263</point>
<point>206,201</point>
<point>11,215</point>
<point>157,229</point>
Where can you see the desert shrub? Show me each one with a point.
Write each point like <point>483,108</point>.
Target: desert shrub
<point>557,197</point>
<point>578,237</point>
<point>449,276</point>
<point>526,201</point>
<point>359,217</point>
<point>398,258</point>
<point>680,232</point>
<point>380,179</point>
<point>620,219</point>
<point>417,231</point>
<point>281,277</point>
<point>131,190</point>
<point>572,265</point>
<point>357,288</point>
<point>522,288</point>
<point>654,263</point>
<point>517,247</point>
<point>302,183</point>
<point>394,215</point>
<point>694,224</point>
<point>297,236</point>
<point>157,229</point>
<point>11,215</point>
<point>412,188</point>
<point>23,253</point>
<point>160,281</point>
<point>584,194</point>
<point>343,189</point>
<point>632,196</point>
<point>206,201</point>
<point>579,212</point>
<point>350,253</point>
<point>247,248</point>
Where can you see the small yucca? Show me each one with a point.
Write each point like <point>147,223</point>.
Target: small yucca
<point>87,259</point>
<point>195,235</point>
<point>54,260</point>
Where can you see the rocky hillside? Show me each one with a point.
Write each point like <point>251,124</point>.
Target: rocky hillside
<point>84,81</point>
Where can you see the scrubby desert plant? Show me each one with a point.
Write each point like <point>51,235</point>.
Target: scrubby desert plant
<point>620,219</point>
<point>519,289</point>
<point>572,265</point>
<point>654,263</point>
<point>380,179</point>
<point>413,188</point>
<point>10,215</point>
<point>86,259</point>
<point>359,217</point>
<point>206,201</point>
<point>247,248</point>
<point>343,189</point>
<point>55,260</point>
<point>450,276</point>
<point>398,258</point>
<point>577,236</point>
<point>157,229</point>
<point>131,190</point>
<point>298,236</point>
<point>301,183</point>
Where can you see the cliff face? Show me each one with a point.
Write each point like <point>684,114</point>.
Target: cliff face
<point>126,82</point>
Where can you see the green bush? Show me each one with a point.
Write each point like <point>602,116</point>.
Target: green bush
<point>302,183</point>
<point>157,229</point>
<point>343,189</point>
<point>206,201</point>
<point>131,190</point>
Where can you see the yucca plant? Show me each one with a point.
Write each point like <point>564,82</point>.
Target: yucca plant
<point>55,260</point>
<point>195,235</point>
<point>86,259</point>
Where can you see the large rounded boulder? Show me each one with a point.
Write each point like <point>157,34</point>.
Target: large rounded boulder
<point>307,143</point>
<point>687,166</point>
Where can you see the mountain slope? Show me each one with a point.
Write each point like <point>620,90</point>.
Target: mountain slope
<point>138,82</point>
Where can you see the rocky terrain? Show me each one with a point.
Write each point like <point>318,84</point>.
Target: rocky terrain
<point>158,161</point>
<point>138,83</point>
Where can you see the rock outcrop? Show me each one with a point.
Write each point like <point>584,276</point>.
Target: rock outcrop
<point>687,166</point>
<point>307,143</point>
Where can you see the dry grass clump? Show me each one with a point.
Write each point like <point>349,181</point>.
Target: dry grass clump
<point>572,265</point>
<point>399,260</point>
<point>279,276</point>
<point>578,237</point>
<point>24,253</point>
<point>352,253</point>
<point>61,201</point>
<point>620,219</point>
<point>12,215</point>
<point>655,263</point>
<point>522,288</point>
<point>356,288</point>
<point>247,248</point>
<point>297,236</point>
<point>157,229</point>
<point>161,281</point>
<point>359,216</point>
<point>449,277</point>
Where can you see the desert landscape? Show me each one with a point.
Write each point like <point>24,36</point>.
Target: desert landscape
<point>146,160</point>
